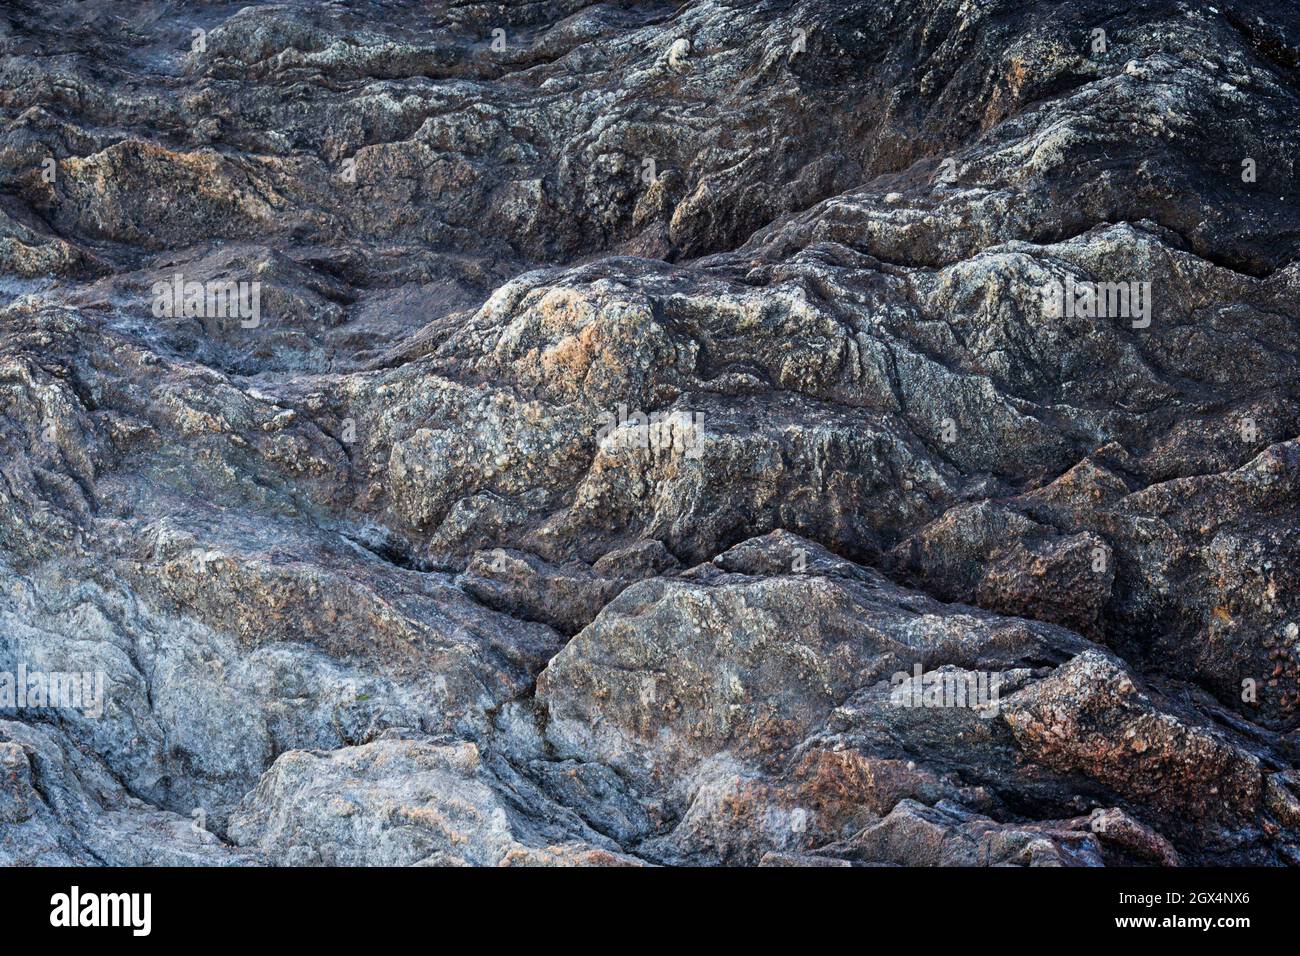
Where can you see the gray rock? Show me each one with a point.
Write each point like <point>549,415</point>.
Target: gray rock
<point>655,442</point>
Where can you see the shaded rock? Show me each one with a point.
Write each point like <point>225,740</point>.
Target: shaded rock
<point>661,438</point>
<point>400,802</point>
<point>1090,716</point>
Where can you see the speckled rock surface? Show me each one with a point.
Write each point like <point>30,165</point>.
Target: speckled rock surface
<point>621,433</point>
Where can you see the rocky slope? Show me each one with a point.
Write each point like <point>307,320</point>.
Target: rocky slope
<point>646,437</point>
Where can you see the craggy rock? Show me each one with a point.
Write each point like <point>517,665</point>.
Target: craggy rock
<point>769,658</point>
<point>1007,562</point>
<point>528,588</point>
<point>1089,716</point>
<point>1118,827</point>
<point>61,807</point>
<point>656,438</point>
<point>405,802</point>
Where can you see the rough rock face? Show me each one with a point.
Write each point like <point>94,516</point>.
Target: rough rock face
<point>792,432</point>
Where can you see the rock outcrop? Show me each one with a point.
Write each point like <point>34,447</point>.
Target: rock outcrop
<point>802,432</point>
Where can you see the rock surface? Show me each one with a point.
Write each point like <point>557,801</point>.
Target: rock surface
<point>646,432</point>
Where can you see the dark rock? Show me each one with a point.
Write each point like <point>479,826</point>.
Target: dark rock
<point>642,432</point>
